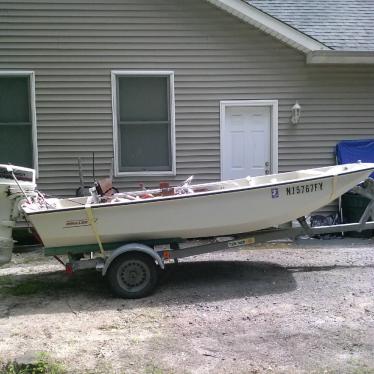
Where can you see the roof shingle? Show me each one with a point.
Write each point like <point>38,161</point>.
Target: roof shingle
<point>346,25</point>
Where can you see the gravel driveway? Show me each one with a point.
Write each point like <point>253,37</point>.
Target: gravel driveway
<point>292,308</point>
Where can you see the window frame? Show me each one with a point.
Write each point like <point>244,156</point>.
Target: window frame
<point>31,75</point>
<point>115,74</point>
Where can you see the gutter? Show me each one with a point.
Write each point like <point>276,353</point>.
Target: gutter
<point>340,57</point>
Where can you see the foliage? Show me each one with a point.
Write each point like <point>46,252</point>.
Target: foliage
<point>43,365</point>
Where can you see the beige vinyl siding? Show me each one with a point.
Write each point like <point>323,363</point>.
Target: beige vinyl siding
<point>73,45</point>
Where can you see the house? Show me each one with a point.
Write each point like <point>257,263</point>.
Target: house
<point>173,88</point>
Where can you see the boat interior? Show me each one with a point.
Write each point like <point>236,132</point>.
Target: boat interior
<point>104,193</point>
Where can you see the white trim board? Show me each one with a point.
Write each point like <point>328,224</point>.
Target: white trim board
<point>340,57</point>
<point>114,75</point>
<point>273,104</point>
<point>31,75</point>
<point>270,25</point>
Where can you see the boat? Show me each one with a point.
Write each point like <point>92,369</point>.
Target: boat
<point>189,210</point>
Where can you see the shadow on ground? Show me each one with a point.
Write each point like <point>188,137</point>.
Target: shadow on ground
<point>184,283</point>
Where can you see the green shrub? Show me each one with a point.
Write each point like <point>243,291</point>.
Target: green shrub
<point>43,365</point>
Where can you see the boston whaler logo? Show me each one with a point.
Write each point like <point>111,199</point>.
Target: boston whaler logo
<point>76,223</point>
<point>274,193</point>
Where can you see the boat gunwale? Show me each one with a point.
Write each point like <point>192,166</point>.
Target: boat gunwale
<point>195,195</point>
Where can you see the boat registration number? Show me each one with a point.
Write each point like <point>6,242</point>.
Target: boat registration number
<point>304,188</point>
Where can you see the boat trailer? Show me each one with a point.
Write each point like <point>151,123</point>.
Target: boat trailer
<point>132,268</point>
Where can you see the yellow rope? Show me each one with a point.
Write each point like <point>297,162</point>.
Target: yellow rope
<point>91,221</point>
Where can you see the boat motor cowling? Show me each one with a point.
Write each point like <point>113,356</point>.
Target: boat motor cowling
<point>15,184</point>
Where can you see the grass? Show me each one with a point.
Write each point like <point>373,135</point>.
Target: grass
<point>25,288</point>
<point>353,367</point>
<point>30,287</point>
<point>109,327</point>
<point>152,369</point>
<point>43,365</point>
<point>37,284</point>
<point>363,369</point>
<point>5,280</point>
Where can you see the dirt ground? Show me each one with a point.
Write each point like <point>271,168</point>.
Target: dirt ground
<point>306,307</point>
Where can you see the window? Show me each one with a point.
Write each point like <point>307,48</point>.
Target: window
<point>17,119</point>
<point>143,111</point>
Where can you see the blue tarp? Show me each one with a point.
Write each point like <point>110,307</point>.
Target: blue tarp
<point>348,151</point>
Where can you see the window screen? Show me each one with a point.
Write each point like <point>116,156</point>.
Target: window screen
<point>15,121</point>
<point>144,124</point>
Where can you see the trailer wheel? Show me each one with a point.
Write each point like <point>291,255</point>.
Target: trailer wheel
<point>132,275</point>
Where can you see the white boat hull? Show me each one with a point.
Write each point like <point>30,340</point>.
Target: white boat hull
<point>266,201</point>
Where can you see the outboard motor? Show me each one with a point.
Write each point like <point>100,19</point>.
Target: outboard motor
<point>16,183</point>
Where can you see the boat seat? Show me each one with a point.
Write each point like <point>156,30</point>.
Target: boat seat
<point>104,187</point>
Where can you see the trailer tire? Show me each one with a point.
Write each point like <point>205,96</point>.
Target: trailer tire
<point>132,275</point>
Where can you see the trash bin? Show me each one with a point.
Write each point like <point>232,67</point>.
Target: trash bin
<point>353,206</point>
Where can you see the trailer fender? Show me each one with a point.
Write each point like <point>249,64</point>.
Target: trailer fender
<point>133,247</point>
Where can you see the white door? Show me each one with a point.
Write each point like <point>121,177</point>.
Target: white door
<point>246,141</point>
